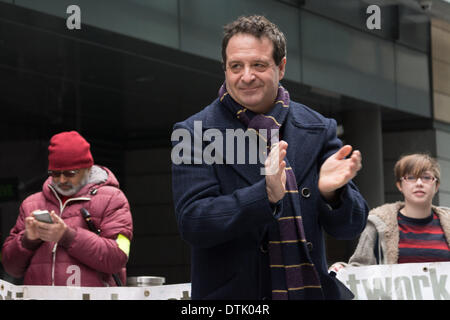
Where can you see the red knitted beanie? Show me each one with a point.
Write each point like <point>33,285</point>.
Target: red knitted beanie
<point>69,151</point>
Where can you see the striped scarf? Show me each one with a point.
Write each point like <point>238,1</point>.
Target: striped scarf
<point>293,275</point>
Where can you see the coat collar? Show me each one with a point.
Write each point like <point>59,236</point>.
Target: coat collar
<point>385,221</point>
<point>99,176</point>
<point>303,130</point>
<point>219,117</point>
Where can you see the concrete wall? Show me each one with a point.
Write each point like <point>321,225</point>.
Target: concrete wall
<point>443,155</point>
<point>440,57</point>
<point>440,60</point>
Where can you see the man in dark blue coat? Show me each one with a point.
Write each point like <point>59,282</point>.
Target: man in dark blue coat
<point>256,228</point>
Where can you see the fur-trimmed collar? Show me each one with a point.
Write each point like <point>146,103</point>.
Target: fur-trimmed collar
<point>97,175</point>
<point>384,218</point>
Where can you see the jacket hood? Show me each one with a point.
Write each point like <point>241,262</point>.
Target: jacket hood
<point>99,176</point>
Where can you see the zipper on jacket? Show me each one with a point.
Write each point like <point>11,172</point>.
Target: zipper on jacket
<point>53,263</point>
<point>61,208</point>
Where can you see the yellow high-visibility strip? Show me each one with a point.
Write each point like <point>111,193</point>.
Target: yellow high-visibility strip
<point>123,243</point>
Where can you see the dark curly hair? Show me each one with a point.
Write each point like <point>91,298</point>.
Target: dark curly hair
<point>257,26</point>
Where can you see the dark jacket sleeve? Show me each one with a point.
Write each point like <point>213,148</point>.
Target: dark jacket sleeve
<point>347,218</point>
<point>205,216</point>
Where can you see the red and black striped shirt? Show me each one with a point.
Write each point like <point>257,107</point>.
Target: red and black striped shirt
<point>422,240</point>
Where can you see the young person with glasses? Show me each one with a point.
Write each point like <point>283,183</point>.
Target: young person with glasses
<point>65,252</point>
<point>409,231</point>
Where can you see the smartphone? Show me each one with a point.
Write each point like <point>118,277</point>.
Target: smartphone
<point>43,216</point>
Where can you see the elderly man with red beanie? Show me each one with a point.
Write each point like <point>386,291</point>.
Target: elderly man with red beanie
<point>66,252</point>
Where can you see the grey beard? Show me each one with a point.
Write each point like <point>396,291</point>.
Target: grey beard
<point>73,189</point>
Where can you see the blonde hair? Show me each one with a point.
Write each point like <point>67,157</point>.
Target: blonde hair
<point>416,164</point>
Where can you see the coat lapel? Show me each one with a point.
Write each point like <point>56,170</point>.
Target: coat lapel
<point>303,141</point>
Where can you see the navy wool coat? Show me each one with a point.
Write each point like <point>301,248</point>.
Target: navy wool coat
<point>223,210</point>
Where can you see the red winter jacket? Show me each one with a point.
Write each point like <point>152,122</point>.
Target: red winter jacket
<point>81,257</point>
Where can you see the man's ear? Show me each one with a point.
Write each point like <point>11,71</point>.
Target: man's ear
<point>282,68</point>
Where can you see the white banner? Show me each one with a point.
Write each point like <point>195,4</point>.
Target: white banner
<point>408,281</point>
<point>9,291</point>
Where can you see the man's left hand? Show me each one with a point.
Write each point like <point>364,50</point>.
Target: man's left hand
<point>52,231</point>
<point>337,171</point>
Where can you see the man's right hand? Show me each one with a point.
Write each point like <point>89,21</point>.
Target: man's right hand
<point>275,172</point>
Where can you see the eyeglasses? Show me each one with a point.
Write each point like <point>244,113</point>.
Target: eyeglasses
<point>425,179</point>
<point>66,173</point>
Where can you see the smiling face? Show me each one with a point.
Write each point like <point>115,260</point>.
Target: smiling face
<point>418,191</point>
<point>251,74</point>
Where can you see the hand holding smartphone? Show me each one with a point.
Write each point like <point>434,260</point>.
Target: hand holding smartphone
<point>43,216</point>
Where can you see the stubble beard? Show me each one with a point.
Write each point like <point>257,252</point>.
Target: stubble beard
<point>73,189</point>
